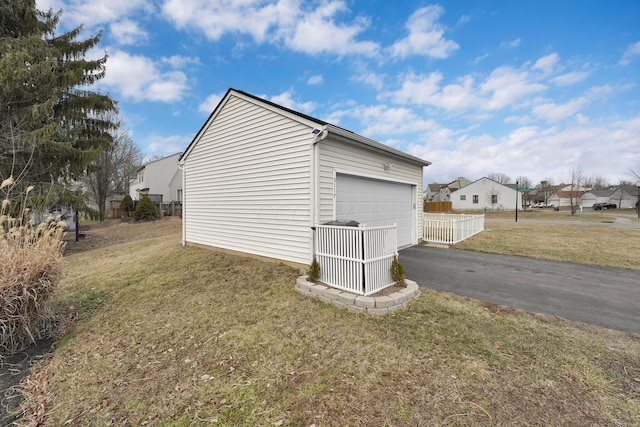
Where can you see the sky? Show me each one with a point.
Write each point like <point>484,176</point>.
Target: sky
<point>522,88</point>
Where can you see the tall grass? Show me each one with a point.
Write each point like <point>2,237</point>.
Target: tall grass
<point>30,269</point>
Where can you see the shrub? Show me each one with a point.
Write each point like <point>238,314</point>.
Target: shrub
<point>314,271</point>
<point>145,209</point>
<point>126,205</point>
<point>30,269</point>
<point>397,272</point>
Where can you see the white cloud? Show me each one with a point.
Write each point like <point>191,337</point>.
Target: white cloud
<point>286,100</point>
<point>569,78</point>
<point>166,144</point>
<point>511,44</point>
<point>425,36</point>
<point>379,120</point>
<point>506,86</point>
<point>426,90</point>
<point>553,112</point>
<point>141,79</point>
<point>311,31</point>
<point>317,32</point>
<point>547,64</point>
<point>315,80</point>
<point>369,78</point>
<point>128,32</point>
<point>632,50</point>
<point>207,106</point>
<point>96,12</point>
<point>179,61</point>
<point>216,19</point>
<point>480,58</point>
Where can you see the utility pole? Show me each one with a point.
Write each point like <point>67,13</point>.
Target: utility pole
<point>516,201</point>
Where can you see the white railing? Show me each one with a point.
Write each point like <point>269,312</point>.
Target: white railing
<point>451,228</point>
<point>356,259</point>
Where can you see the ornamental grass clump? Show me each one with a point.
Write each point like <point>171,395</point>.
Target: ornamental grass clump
<point>30,269</point>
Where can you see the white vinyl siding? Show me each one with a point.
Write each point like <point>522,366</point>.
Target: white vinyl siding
<point>248,183</point>
<point>356,160</point>
<point>480,194</point>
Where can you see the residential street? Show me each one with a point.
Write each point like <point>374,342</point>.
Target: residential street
<point>606,297</point>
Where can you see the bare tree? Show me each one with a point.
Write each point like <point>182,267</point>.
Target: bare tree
<point>576,179</point>
<point>111,170</point>
<point>544,188</point>
<point>635,175</point>
<point>596,182</point>
<point>525,182</point>
<point>499,178</point>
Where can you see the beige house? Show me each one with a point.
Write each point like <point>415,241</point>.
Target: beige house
<point>258,176</point>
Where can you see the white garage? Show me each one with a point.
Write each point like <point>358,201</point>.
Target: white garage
<point>375,202</point>
<point>258,177</point>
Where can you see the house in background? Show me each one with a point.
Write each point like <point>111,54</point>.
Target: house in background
<point>564,193</point>
<point>624,196</point>
<point>486,194</point>
<point>442,192</point>
<point>258,176</point>
<point>160,177</point>
<point>591,197</point>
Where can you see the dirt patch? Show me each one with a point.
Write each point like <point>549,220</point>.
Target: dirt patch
<point>13,369</point>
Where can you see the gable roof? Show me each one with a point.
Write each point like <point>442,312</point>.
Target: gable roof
<point>179,154</point>
<point>509,186</point>
<point>337,132</point>
<point>599,193</point>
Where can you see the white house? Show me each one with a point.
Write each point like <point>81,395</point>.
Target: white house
<point>442,192</point>
<point>624,196</point>
<point>486,194</point>
<point>591,197</point>
<point>258,176</point>
<point>161,176</point>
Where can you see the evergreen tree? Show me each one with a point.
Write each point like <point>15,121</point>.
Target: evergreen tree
<point>51,125</point>
<point>145,209</point>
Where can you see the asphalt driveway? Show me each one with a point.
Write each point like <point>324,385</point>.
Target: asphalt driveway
<point>607,297</point>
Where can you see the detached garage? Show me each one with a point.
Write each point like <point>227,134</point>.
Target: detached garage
<point>258,176</point>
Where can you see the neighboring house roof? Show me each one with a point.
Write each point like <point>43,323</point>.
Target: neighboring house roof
<point>629,189</point>
<point>157,160</point>
<point>567,194</point>
<point>599,193</point>
<point>509,186</point>
<point>338,132</point>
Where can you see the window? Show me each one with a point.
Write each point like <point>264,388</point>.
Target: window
<point>475,199</point>
<point>463,197</point>
<point>494,199</point>
<point>179,195</point>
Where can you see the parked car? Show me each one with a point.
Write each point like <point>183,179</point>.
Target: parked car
<point>541,205</point>
<point>601,206</point>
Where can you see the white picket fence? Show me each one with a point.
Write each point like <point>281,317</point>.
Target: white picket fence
<point>356,259</point>
<point>451,228</point>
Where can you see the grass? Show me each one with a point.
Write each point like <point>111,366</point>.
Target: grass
<point>166,335</point>
<point>578,243</point>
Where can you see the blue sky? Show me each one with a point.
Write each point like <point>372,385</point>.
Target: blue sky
<point>476,87</point>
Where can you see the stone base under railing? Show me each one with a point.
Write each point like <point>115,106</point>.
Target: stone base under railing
<point>373,304</point>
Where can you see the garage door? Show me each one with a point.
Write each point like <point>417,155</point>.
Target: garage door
<point>374,203</point>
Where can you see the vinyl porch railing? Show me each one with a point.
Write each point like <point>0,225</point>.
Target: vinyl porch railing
<point>356,259</point>
<point>451,228</point>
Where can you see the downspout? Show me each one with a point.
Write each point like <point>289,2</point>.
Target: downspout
<point>184,197</point>
<point>314,211</point>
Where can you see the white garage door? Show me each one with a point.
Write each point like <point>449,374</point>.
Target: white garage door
<point>375,203</point>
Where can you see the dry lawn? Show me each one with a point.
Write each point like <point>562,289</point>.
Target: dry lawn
<point>166,335</point>
<point>569,242</point>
